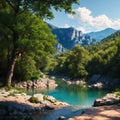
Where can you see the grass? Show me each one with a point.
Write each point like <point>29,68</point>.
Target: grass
<point>117,92</point>
<point>44,97</point>
<point>11,94</point>
<point>9,87</point>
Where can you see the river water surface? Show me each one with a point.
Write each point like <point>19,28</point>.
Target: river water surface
<point>78,99</point>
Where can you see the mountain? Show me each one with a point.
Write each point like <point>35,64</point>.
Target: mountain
<point>69,37</point>
<point>102,34</point>
<point>59,48</point>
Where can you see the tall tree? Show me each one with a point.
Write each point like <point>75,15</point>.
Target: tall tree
<point>20,26</point>
<point>76,62</point>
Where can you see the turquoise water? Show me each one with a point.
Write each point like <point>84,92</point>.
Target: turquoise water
<point>78,99</point>
<point>75,96</point>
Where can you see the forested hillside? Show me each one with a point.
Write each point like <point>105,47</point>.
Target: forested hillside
<point>82,62</point>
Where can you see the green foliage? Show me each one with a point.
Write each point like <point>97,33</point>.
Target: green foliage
<point>34,42</point>
<point>81,62</point>
<point>117,92</point>
<point>9,87</point>
<point>25,34</point>
<point>44,97</point>
<point>73,64</point>
<point>41,8</point>
<point>34,100</point>
<point>11,94</point>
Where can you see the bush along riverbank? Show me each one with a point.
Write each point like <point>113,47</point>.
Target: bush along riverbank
<point>16,105</point>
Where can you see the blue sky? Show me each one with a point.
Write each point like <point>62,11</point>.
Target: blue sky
<point>91,15</point>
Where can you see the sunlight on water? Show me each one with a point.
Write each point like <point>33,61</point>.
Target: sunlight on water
<point>77,98</point>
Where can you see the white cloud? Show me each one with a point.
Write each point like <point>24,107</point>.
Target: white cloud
<point>82,29</point>
<point>66,26</point>
<point>85,19</point>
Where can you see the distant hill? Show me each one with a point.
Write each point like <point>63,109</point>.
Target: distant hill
<point>102,34</point>
<point>69,37</point>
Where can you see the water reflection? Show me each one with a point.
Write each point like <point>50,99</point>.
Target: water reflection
<point>75,95</point>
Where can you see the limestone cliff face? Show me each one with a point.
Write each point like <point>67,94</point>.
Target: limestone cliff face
<point>69,37</point>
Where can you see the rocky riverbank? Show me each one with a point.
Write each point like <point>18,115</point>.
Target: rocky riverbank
<point>103,82</point>
<point>108,99</point>
<point>15,105</point>
<point>41,83</point>
<point>96,81</point>
<point>111,112</point>
<point>105,108</point>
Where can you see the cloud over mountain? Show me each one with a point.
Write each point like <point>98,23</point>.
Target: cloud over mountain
<point>85,18</point>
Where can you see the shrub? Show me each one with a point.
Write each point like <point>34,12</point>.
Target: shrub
<point>34,100</point>
<point>9,87</point>
<point>44,97</point>
<point>11,94</point>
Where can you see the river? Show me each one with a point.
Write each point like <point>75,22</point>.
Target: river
<point>78,99</point>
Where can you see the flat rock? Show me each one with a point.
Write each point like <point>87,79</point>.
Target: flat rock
<point>108,99</point>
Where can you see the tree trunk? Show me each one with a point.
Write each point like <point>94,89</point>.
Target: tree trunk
<point>11,68</point>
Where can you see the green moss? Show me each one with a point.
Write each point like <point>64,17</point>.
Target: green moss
<point>34,100</point>
<point>11,94</point>
<point>117,94</point>
<point>56,100</point>
<point>9,87</point>
<point>44,97</point>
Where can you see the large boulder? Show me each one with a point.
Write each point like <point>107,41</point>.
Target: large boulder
<point>39,96</point>
<point>108,99</point>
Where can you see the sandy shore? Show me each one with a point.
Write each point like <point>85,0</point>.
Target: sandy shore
<point>111,112</point>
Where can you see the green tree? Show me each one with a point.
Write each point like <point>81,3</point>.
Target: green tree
<point>77,61</point>
<point>31,37</point>
<point>22,29</point>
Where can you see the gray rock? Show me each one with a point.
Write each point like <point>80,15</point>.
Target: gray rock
<point>49,107</point>
<point>40,83</point>
<point>61,118</point>
<point>51,99</point>
<point>39,96</point>
<point>108,99</point>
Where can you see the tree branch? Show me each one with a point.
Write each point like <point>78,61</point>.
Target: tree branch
<point>11,5</point>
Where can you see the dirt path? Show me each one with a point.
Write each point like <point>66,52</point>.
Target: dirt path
<point>111,112</point>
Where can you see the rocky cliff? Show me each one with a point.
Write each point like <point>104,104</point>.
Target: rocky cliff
<point>69,37</point>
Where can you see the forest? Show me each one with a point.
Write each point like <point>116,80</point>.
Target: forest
<point>27,47</point>
<point>84,61</point>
